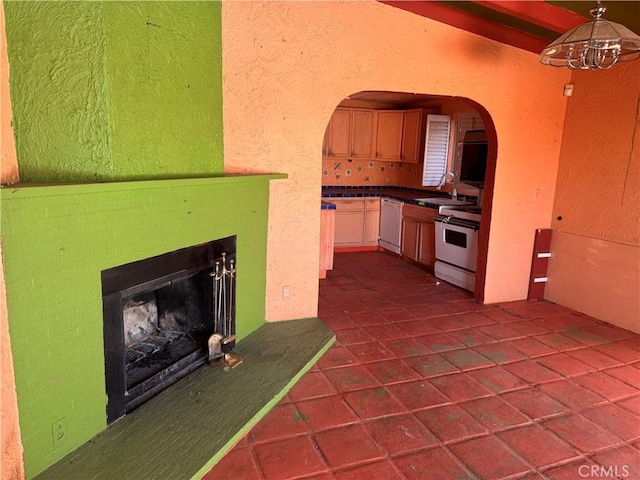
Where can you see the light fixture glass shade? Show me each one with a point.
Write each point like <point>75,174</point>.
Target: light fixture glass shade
<point>595,44</point>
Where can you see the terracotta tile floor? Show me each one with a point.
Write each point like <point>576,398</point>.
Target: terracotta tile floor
<point>424,383</point>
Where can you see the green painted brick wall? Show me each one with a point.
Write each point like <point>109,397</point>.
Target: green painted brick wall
<point>115,90</point>
<point>57,240</point>
<point>164,71</point>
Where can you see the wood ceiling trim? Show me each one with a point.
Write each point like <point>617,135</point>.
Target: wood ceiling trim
<point>498,18</point>
<point>537,12</point>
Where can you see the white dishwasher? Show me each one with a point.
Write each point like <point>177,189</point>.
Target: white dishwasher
<point>390,224</point>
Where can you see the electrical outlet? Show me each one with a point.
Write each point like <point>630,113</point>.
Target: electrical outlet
<point>59,431</point>
<point>286,291</point>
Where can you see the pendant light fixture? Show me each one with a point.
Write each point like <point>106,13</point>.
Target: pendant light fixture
<point>598,44</point>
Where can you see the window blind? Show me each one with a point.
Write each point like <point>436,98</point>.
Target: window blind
<point>436,149</point>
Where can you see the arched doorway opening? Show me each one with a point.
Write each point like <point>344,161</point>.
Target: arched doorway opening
<point>373,144</point>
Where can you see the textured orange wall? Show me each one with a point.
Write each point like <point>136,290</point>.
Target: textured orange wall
<point>595,263</point>
<point>11,464</point>
<point>8,162</point>
<point>286,65</point>
<point>597,191</point>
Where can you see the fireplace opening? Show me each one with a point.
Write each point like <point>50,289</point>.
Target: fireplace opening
<point>159,317</point>
<point>166,324</point>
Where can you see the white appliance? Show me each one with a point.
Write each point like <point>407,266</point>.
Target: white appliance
<point>390,224</point>
<point>457,246</point>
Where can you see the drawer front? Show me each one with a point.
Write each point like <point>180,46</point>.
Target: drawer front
<point>372,204</point>
<point>348,204</point>
<point>423,214</point>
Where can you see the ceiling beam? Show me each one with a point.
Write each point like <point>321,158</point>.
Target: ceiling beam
<point>471,23</point>
<point>537,12</point>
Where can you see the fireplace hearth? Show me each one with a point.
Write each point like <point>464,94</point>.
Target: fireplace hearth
<point>159,316</point>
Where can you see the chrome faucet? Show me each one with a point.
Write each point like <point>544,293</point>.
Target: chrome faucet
<point>443,179</point>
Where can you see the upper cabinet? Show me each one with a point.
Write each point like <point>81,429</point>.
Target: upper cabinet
<point>338,134</point>
<point>349,134</point>
<point>361,133</point>
<point>387,135</point>
<point>412,136</point>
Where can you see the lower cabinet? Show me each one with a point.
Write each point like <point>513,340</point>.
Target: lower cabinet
<point>357,221</point>
<point>427,245</point>
<point>371,222</point>
<point>418,234</point>
<point>410,238</point>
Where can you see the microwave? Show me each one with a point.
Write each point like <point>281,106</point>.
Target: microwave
<point>473,161</point>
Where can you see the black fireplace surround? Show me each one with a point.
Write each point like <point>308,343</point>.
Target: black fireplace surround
<point>158,315</point>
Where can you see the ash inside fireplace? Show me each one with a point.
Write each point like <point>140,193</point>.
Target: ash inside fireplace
<point>166,325</point>
<point>140,320</point>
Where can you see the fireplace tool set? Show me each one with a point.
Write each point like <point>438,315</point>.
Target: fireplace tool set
<point>223,340</point>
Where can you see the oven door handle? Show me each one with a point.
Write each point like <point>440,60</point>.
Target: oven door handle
<point>457,222</point>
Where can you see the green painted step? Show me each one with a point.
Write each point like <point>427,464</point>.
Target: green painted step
<point>187,428</point>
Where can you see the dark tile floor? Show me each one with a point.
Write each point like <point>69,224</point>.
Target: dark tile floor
<point>425,383</point>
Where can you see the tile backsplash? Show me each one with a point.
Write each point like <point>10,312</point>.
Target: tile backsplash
<point>345,172</point>
<point>370,173</point>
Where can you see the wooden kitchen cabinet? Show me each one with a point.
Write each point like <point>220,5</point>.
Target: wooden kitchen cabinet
<point>349,221</point>
<point>427,245</point>
<point>361,134</point>
<point>388,134</point>
<point>371,221</point>
<point>413,134</point>
<point>349,134</point>
<point>418,234</point>
<point>410,237</point>
<point>338,134</point>
<point>357,222</point>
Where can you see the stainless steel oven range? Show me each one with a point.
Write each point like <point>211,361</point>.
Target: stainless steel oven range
<point>457,245</point>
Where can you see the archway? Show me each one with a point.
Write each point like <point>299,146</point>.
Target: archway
<point>348,162</point>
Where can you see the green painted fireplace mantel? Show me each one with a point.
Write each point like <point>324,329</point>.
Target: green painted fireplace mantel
<point>57,239</point>
<point>125,97</point>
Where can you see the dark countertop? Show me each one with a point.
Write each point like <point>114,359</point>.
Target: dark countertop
<point>404,194</point>
<point>327,205</point>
